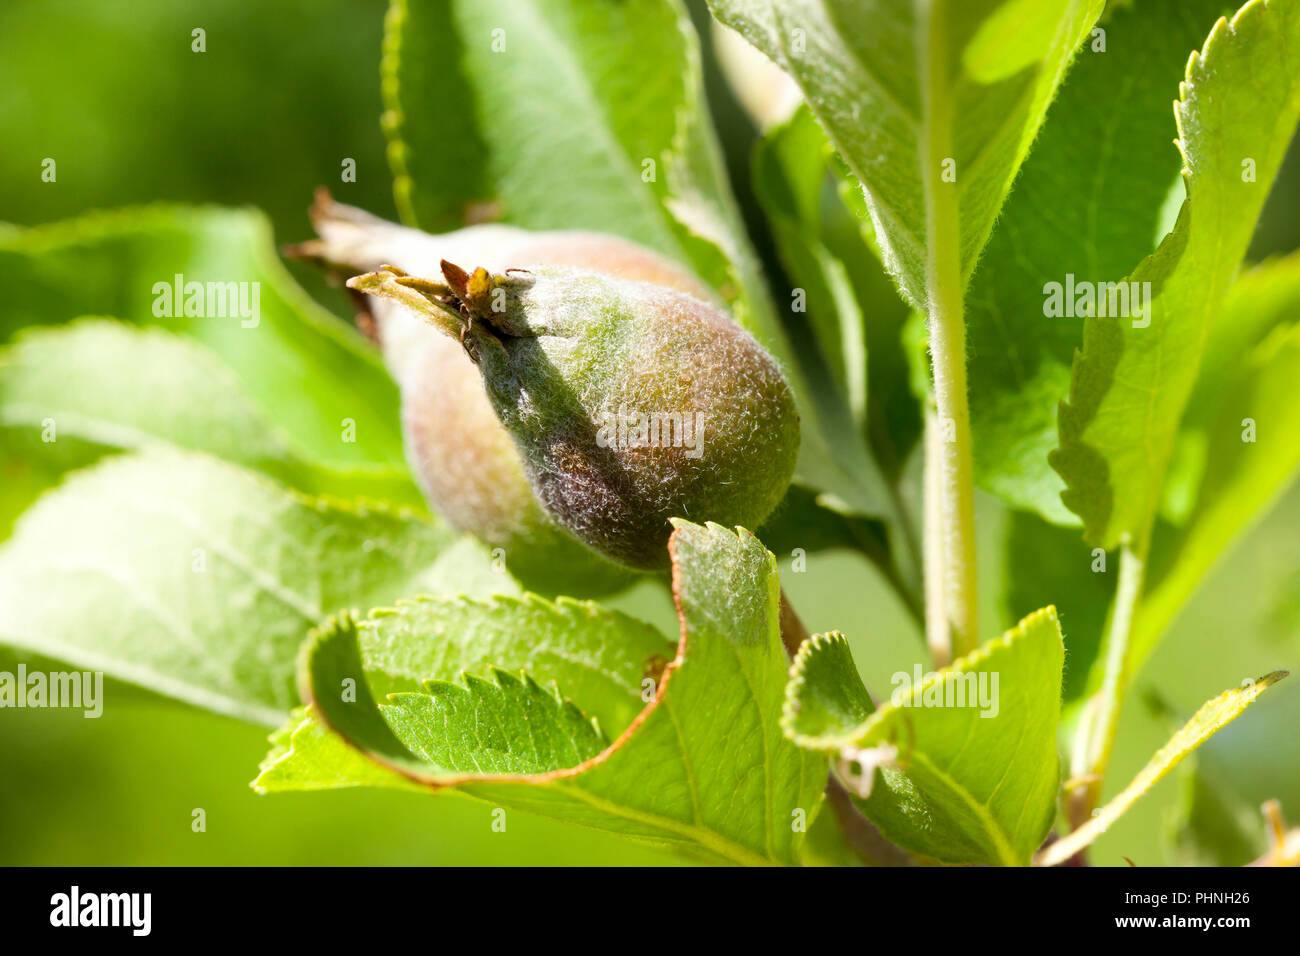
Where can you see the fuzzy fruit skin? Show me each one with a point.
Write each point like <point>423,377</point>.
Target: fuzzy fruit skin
<point>565,349</point>
<point>469,470</point>
<point>461,456</point>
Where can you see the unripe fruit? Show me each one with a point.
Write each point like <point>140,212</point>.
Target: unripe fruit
<point>460,454</point>
<point>629,403</point>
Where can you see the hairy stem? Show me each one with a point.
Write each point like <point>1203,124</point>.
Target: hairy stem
<point>1098,739</point>
<point>952,506</point>
<point>938,634</point>
<point>953,628</point>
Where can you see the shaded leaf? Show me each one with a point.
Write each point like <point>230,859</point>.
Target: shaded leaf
<point>1211,825</point>
<point>304,369</point>
<point>703,767</point>
<point>1089,202</point>
<point>850,305</point>
<point>902,87</point>
<point>110,386</point>
<point>844,313</point>
<point>825,695</point>
<point>1041,560</point>
<point>1241,479</point>
<point>1131,381</point>
<point>198,579</point>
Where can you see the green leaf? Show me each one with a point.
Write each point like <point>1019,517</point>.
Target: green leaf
<point>1213,716</point>
<point>502,73</point>
<point>702,766</point>
<point>509,725</point>
<point>1235,482</point>
<point>126,387</point>
<point>196,578</point>
<point>1243,479</point>
<point>850,314</point>
<point>554,114</point>
<point>902,86</point>
<point>847,319</point>
<point>1232,791</point>
<point>825,695</point>
<point>968,773</point>
<point>1211,823</point>
<point>826,845</point>
<point>560,114</point>
<point>110,386</point>
<point>30,467</point>
<point>306,755</point>
<point>305,370</point>
<point>1090,202</point>
<point>599,658</point>
<point>791,172</point>
<point>1038,557</point>
<point>1262,298</point>
<point>1130,384</point>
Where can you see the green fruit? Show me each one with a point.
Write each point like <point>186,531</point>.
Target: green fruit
<point>462,458</point>
<point>629,403</point>
<point>468,469</point>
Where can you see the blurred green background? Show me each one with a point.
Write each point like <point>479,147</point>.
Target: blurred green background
<point>285,92</point>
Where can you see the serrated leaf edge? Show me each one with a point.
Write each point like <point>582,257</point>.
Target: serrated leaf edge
<point>833,743</point>
<point>562,605</point>
<point>1200,65</point>
<point>708,839</point>
<point>505,680</point>
<point>798,680</point>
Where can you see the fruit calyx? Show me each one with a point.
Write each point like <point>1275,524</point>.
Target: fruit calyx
<point>458,305</point>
